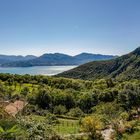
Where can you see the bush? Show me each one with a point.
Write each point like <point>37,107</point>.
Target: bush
<point>9,130</point>
<point>75,112</point>
<point>51,119</point>
<point>131,126</point>
<point>38,130</point>
<point>32,109</point>
<point>60,110</point>
<point>25,91</point>
<point>92,126</point>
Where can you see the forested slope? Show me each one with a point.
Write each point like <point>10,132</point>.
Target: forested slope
<point>124,67</point>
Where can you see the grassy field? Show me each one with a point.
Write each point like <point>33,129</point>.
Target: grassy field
<point>135,136</point>
<point>67,126</point>
<point>64,127</point>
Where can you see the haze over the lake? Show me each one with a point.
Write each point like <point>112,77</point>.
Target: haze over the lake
<point>69,26</point>
<point>36,70</point>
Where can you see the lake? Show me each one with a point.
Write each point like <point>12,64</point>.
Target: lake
<point>36,70</point>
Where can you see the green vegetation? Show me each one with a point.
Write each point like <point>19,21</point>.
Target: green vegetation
<point>67,126</point>
<point>50,108</point>
<point>8,130</point>
<point>135,136</point>
<point>61,108</point>
<point>124,67</point>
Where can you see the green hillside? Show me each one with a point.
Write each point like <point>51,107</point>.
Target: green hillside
<point>124,67</point>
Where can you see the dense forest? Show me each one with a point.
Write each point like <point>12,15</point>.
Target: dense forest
<point>50,108</point>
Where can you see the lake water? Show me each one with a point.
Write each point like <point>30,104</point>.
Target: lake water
<point>36,70</point>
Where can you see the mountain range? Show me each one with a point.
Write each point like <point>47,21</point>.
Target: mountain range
<point>50,59</point>
<point>123,67</point>
<point>13,58</point>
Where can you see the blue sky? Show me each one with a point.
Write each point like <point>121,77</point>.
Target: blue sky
<point>69,26</point>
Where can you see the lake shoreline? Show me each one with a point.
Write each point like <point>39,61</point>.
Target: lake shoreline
<point>36,70</point>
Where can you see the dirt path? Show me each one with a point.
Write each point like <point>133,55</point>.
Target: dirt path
<point>75,135</point>
<point>107,133</point>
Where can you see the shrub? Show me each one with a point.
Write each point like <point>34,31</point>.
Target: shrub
<point>25,91</point>
<point>51,119</point>
<point>92,125</point>
<point>75,112</point>
<point>60,110</point>
<point>38,130</point>
<point>130,126</point>
<point>8,130</point>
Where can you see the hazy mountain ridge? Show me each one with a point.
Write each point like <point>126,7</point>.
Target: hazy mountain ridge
<point>126,67</point>
<point>88,57</point>
<point>55,59</point>
<point>13,58</point>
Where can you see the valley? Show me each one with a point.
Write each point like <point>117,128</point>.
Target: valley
<point>69,70</point>
<point>59,108</point>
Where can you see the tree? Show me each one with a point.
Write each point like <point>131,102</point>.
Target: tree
<point>109,110</point>
<point>69,101</point>
<point>87,101</point>
<point>109,83</point>
<point>43,99</point>
<point>25,91</point>
<point>129,98</point>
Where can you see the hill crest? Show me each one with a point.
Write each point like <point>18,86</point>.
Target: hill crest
<point>123,67</point>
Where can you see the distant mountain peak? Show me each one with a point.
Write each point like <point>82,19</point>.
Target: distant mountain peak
<point>53,59</point>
